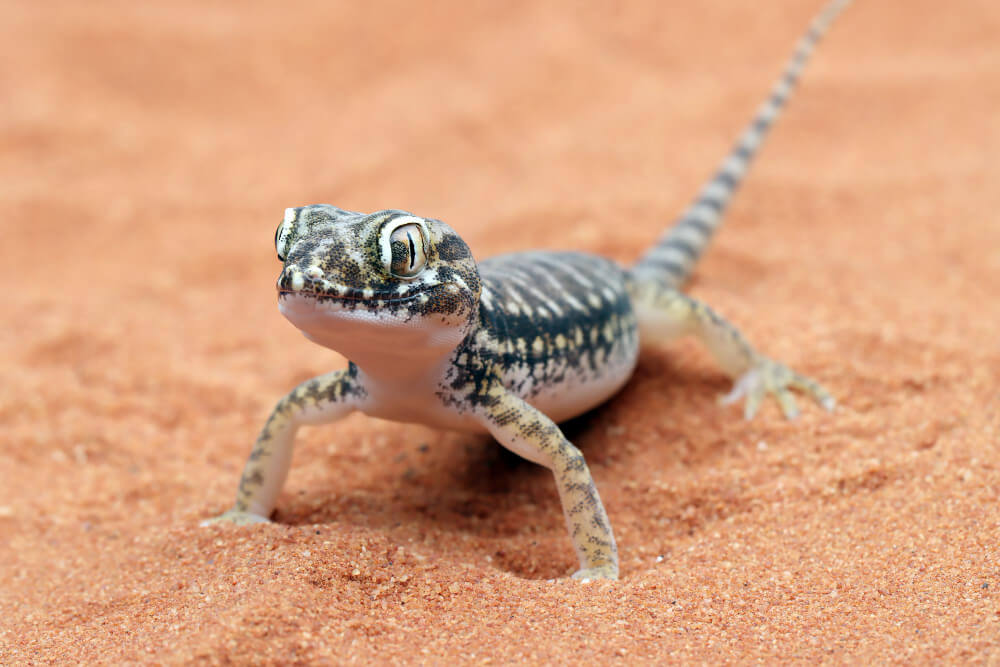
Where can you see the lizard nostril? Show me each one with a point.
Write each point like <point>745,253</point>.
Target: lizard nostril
<point>291,278</point>
<point>314,272</point>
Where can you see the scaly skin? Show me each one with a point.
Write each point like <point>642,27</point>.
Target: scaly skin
<point>509,346</point>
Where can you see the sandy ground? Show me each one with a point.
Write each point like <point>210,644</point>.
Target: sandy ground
<point>147,151</point>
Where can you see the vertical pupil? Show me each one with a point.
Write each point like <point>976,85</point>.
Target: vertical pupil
<point>406,250</point>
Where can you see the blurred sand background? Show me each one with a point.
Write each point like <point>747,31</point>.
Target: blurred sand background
<point>147,151</point>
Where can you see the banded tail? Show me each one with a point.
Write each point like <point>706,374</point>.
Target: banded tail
<point>672,259</point>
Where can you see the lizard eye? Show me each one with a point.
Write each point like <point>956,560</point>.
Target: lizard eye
<point>277,239</point>
<point>284,232</point>
<point>407,246</point>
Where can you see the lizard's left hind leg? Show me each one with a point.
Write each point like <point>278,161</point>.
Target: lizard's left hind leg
<point>665,313</point>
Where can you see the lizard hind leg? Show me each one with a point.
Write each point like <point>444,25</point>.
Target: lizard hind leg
<point>664,314</point>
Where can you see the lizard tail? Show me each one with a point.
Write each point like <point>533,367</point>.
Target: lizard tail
<point>672,259</point>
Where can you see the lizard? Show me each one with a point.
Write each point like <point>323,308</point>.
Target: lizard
<point>510,346</point>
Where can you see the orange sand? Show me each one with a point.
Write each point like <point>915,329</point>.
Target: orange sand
<point>148,150</point>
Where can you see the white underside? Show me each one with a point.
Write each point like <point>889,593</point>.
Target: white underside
<point>417,403</point>
<point>578,392</point>
<point>401,366</point>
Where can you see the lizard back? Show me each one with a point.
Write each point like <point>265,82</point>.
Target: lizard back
<point>557,328</point>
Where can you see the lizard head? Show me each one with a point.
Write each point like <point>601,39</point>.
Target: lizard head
<point>388,279</point>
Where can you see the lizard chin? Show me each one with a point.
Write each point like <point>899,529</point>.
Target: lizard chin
<point>362,331</point>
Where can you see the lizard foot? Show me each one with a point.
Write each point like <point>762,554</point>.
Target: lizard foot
<point>771,377</point>
<point>237,517</point>
<point>588,574</point>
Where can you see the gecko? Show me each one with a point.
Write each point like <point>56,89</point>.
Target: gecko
<point>510,346</point>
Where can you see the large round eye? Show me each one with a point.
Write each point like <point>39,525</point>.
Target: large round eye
<point>407,246</point>
<point>277,239</point>
<point>284,231</point>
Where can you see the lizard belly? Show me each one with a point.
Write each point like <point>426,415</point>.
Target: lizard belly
<point>413,404</point>
<point>580,391</point>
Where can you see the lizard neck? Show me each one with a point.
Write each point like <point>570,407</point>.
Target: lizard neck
<point>402,353</point>
<point>399,367</point>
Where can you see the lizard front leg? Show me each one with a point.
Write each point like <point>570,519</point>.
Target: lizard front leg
<point>527,432</point>
<point>323,399</point>
<point>665,313</point>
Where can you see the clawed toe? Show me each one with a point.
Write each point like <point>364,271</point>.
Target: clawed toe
<point>771,377</point>
<point>588,574</point>
<point>236,517</point>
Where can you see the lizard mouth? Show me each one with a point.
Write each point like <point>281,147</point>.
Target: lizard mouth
<point>352,294</point>
<point>442,300</point>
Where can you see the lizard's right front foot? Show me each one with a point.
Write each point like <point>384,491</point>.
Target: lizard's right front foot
<point>238,517</point>
<point>588,574</point>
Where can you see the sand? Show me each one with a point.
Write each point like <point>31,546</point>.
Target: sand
<point>148,151</point>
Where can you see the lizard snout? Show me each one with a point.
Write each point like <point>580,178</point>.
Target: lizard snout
<point>295,279</point>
